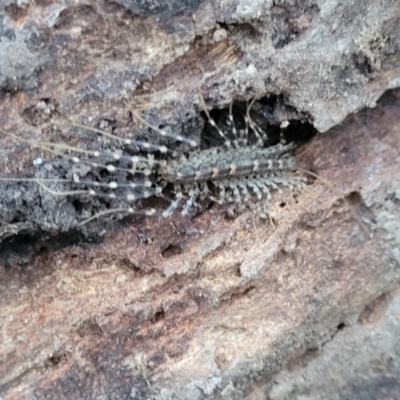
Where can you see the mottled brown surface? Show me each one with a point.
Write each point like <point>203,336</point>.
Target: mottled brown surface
<point>239,302</point>
<point>208,307</point>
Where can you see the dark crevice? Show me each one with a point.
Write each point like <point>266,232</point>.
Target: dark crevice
<point>354,198</point>
<point>56,359</point>
<point>172,250</point>
<point>20,249</point>
<point>341,326</point>
<point>158,316</point>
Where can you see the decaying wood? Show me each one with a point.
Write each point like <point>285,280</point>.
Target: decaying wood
<point>203,307</point>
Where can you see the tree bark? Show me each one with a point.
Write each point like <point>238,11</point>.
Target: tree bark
<point>202,306</point>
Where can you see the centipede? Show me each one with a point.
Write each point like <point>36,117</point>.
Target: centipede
<point>242,168</point>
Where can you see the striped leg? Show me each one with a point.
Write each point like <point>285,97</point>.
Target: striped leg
<point>193,192</point>
<point>228,143</point>
<point>232,124</point>
<point>260,134</point>
<point>255,188</point>
<point>174,205</point>
<point>235,190</point>
<point>222,193</point>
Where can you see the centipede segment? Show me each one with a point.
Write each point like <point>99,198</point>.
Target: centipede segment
<point>233,172</point>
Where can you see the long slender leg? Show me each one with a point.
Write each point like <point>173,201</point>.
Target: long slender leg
<point>162,149</point>
<point>260,134</point>
<point>129,196</point>
<point>244,135</point>
<point>163,132</point>
<point>193,193</point>
<point>232,123</point>
<point>59,150</point>
<point>228,143</point>
<point>127,210</point>
<point>173,206</point>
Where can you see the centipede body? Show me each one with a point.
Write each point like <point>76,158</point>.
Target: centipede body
<point>233,172</point>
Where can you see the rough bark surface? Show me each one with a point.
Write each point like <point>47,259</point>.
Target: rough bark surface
<point>203,307</point>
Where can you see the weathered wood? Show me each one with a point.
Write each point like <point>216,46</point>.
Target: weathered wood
<point>206,307</point>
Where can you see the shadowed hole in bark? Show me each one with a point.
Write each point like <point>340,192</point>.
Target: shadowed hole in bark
<point>237,271</point>
<point>362,63</point>
<point>21,248</point>
<point>341,326</point>
<point>354,198</point>
<point>248,290</point>
<point>158,316</point>
<point>55,359</point>
<point>172,250</point>
<point>129,265</point>
<point>268,113</point>
<point>78,205</point>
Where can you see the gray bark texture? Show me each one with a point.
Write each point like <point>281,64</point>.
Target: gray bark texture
<point>301,305</point>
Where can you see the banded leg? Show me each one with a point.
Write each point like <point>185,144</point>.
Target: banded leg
<point>260,184</point>
<point>244,135</point>
<point>222,193</point>
<point>163,132</point>
<point>174,205</point>
<point>232,123</point>
<point>228,143</point>
<point>255,188</point>
<point>260,134</point>
<point>269,181</point>
<point>292,182</point>
<point>193,192</point>
<point>126,210</point>
<point>245,192</point>
<point>57,150</point>
<point>235,190</point>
